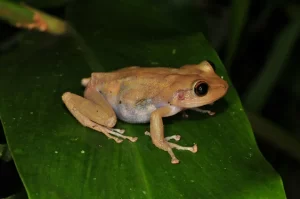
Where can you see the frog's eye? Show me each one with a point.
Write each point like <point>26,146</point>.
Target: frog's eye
<point>212,64</point>
<point>201,88</point>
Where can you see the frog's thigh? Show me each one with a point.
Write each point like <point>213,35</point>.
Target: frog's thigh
<point>76,104</point>
<point>89,109</point>
<point>89,114</point>
<point>97,109</point>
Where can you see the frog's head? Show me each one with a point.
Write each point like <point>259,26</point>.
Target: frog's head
<point>198,87</point>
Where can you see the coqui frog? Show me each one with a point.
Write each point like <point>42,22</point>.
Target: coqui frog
<point>145,94</point>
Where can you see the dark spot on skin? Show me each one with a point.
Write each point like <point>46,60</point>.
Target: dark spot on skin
<point>141,101</point>
<point>97,111</point>
<point>110,92</point>
<point>120,102</point>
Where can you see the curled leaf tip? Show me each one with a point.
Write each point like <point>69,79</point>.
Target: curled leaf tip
<point>38,23</point>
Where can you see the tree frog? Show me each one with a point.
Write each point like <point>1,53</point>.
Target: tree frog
<point>145,94</point>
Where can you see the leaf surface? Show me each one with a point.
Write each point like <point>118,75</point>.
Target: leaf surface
<point>58,158</point>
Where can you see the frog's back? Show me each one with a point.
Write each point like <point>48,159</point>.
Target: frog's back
<point>133,91</point>
<point>135,72</point>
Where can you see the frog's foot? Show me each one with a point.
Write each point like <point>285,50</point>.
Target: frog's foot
<point>172,137</point>
<point>184,114</point>
<point>192,149</point>
<point>203,111</point>
<point>88,123</point>
<point>168,146</point>
<point>119,132</point>
<point>109,132</point>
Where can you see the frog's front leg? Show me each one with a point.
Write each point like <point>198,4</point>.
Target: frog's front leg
<point>157,134</point>
<point>94,112</point>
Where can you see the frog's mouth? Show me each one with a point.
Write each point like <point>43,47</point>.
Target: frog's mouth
<point>216,99</point>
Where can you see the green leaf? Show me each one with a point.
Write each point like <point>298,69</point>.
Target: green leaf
<point>58,158</point>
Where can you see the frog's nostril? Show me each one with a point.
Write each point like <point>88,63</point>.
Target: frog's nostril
<point>225,85</point>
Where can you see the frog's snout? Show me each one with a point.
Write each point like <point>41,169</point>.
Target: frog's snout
<point>222,88</point>
<point>225,86</point>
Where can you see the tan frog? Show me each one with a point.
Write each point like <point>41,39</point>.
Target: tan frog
<point>142,95</point>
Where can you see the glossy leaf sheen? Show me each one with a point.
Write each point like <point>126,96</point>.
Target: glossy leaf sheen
<point>58,158</point>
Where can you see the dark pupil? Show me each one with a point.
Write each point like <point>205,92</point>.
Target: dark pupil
<point>201,89</point>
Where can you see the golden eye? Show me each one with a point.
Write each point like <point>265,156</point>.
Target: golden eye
<point>201,88</point>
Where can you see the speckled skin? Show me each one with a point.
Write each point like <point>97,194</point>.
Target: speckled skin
<point>140,95</point>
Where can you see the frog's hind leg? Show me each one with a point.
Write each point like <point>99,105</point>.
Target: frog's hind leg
<point>93,116</point>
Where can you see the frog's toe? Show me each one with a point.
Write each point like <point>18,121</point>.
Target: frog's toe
<point>121,131</point>
<point>117,140</point>
<point>184,114</point>
<point>173,137</point>
<point>147,133</point>
<point>133,139</point>
<point>174,161</point>
<point>193,149</point>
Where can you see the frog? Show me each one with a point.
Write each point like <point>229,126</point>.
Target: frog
<point>136,95</point>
